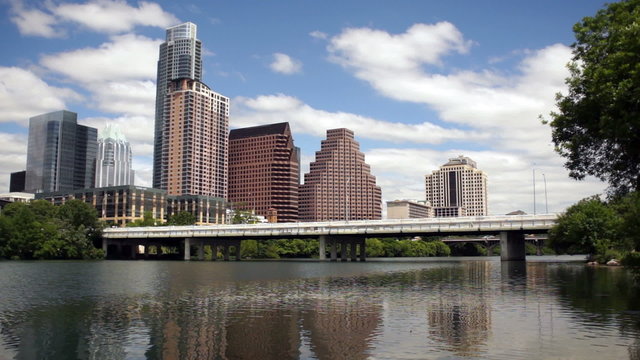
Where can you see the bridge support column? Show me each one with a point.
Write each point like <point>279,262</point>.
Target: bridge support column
<point>343,249</point>
<point>334,244</point>
<point>363,250</point>
<point>105,246</point>
<point>201,250</point>
<point>353,244</point>
<point>214,251</point>
<point>539,245</point>
<point>146,250</point>
<point>187,248</point>
<point>134,251</point>
<point>512,245</point>
<point>322,247</point>
<point>158,251</point>
<point>226,252</point>
<point>238,250</point>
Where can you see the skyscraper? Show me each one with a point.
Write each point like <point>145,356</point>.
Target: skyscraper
<point>264,170</point>
<point>192,121</point>
<point>339,185</point>
<point>180,58</point>
<point>113,165</point>
<point>61,154</point>
<point>457,188</point>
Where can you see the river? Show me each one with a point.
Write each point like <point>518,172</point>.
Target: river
<point>478,308</point>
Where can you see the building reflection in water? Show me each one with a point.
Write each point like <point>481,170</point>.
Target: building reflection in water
<point>341,329</point>
<point>463,321</point>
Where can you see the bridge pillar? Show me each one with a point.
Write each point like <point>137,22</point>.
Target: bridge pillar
<point>539,247</point>
<point>134,250</point>
<point>187,248</point>
<point>353,248</point>
<point>343,249</point>
<point>512,245</point>
<point>363,250</point>
<point>322,247</point>
<point>214,251</point>
<point>334,244</point>
<point>105,246</point>
<point>201,250</point>
<point>226,252</point>
<point>238,250</point>
<point>158,250</point>
<point>146,250</point>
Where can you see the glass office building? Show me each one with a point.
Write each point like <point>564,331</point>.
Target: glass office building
<point>61,154</point>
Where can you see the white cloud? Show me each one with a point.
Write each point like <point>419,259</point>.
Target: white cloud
<point>34,22</point>
<point>107,16</point>
<point>507,106</point>
<point>137,129</point>
<point>119,74</point>
<point>318,35</point>
<point>124,57</point>
<point>14,157</point>
<point>305,119</point>
<point>126,97</point>
<point>284,64</point>
<point>115,16</point>
<point>19,88</point>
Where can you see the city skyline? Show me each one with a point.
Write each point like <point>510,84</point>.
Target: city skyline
<point>443,82</point>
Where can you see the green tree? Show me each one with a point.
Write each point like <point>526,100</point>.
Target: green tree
<point>147,220</point>
<point>629,209</point>
<point>374,247</point>
<point>182,218</point>
<point>243,217</point>
<point>597,125</point>
<point>590,227</point>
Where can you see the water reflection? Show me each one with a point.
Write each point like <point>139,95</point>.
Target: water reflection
<point>482,309</point>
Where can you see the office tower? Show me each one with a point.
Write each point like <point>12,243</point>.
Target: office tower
<point>264,170</point>
<point>16,181</point>
<point>339,185</point>
<point>180,58</point>
<point>113,165</point>
<point>61,154</point>
<point>192,122</point>
<point>458,188</point>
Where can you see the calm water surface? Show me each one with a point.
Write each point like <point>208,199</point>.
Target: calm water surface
<point>437,309</point>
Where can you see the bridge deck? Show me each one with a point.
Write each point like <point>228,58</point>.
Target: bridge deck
<point>361,228</point>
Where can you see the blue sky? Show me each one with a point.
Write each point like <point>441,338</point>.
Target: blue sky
<point>418,81</point>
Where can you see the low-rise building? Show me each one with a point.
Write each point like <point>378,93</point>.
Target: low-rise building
<point>407,209</point>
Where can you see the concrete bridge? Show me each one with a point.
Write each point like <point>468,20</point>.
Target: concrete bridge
<point>345,239</point>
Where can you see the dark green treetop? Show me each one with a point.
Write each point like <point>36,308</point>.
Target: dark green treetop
<point>597,125</point>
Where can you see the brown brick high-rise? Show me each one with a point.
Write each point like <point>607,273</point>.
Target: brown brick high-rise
<point>195,139</point>
<point>264,170</point>
<point>339,185</point>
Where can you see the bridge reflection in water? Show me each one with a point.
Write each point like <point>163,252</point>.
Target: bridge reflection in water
<point>343,239</point>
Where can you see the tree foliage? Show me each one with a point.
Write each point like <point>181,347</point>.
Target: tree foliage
<point>597,126</point>
<point>588,227</point>
<point>182,218</point>
<point>147,220</point>
<point>39,230</point>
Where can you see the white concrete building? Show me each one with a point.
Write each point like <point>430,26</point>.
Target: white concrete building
<point>458,184</point>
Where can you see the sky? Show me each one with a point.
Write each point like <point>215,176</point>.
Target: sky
<point>418,82</point>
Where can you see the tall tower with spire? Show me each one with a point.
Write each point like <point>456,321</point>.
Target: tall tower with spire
<point>113,165</point>
<point>192,121</point>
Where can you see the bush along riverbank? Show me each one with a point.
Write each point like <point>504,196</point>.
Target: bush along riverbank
<point>607,230</point>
